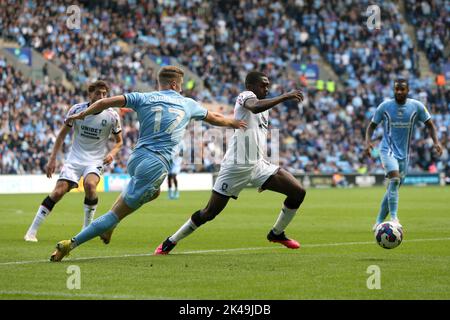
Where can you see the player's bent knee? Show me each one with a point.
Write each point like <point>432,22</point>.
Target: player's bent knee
<point>90,188</point>
<point>57,194</point>
<point>299,193</point>
<point>303,193</point>
<point>295,199</point>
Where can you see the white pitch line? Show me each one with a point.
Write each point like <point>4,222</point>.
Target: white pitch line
<point>79,295</point>
<point>366,242</point>
<point>218,250</point>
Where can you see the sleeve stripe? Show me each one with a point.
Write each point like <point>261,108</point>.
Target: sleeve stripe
<point>126,101</point>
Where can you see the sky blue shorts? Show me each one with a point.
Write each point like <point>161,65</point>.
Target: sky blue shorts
<point>390,163</point>
<point>147,173</point>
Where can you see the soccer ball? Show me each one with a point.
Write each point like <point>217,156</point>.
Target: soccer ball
<point>389,235</point>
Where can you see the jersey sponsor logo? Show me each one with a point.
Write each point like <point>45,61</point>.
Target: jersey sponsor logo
<point>401,124</point>
<point>92,130</point>
<point>91,133</point>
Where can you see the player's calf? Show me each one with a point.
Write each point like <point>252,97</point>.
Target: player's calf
<point>288,211</point>
<point>106,237</point>
<point>393,186</point>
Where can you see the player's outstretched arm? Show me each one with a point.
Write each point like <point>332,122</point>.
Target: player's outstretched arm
<point>100,105</point>
<point>433,133</point>
<point>219,120</point>
<point>112,154</point>
<point>369,132</point>
<point>51,165</point>
<point>260,105</point>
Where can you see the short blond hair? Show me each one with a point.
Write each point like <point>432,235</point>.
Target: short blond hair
<point>168,74</point>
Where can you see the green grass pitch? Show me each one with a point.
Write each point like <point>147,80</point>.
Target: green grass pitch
<point>230,258</point>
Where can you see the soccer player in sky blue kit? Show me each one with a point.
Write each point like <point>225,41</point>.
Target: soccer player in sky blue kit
<point>163,116</point>
<point>399,117</point>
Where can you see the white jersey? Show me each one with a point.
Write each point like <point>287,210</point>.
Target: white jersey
<point>91,135</point>
<point>249,146</point>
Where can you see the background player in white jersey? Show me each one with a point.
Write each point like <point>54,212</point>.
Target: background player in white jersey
<point>399,116</point>
<point>87,156</point>
<point>174,170</point>
<point>244,163</point>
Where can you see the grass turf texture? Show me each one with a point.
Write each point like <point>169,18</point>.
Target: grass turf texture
<point>333,226</point>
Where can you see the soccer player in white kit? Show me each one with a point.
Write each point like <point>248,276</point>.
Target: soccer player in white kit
<point>86,159</point>
<point>244,163</point>
<point>175,169</point>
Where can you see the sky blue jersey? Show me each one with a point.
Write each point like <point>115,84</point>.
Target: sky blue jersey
<point>163,117</point>
<point>398,123</point>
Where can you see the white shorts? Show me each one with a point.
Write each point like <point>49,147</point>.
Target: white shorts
<point>232,179</point>
<point>72,172</point>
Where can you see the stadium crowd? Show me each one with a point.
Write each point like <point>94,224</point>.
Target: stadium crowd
<point>323,134</point>
<point>432,21</point>
<point>85,54</point>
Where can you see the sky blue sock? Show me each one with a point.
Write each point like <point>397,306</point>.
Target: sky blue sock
<point>97,227</point>
<point>384,209</point>
<point>394,184</point>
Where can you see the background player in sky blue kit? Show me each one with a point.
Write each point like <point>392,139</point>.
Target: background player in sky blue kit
<point>399,117</point>
<point>163,116</point>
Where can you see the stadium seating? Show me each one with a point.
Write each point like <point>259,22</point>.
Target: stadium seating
<point>432,20</point>
<point>324,134</point>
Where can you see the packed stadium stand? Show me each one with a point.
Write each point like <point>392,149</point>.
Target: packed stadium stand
<point>124,42</point>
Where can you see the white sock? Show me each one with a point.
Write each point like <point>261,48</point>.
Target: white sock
<point>41,214</point>
<point>285,217</point>
<point>185,230</point>
<point>89,213</point>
